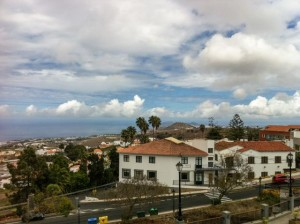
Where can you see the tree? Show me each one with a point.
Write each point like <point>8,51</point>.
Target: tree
<point>137,191</point>
<point>202,129</point>
<point>128,134</point>
<point>113,156</point>
<point>75,152</point>
<point>234,170</point>
<point>214,133</point>
<point>142,124</point>
<point>29,176</point>
<point>155,123</point>
<point>236,128</point>
<point>52,202</point>
<point>252,133</point>
<point>96,170</point>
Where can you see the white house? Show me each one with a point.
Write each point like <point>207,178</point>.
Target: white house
<point>266,158</point>
<point>157,160</point>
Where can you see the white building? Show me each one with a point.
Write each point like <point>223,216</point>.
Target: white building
<point>157,160</point>
<point>266,158</point>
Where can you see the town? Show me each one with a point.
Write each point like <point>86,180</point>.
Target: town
<point>204,155</point>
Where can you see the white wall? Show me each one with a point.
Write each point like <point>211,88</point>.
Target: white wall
<point>164,165</point>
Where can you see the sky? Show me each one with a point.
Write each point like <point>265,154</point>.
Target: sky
<point>179,60</point>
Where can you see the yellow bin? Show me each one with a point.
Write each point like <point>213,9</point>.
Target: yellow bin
<point>103,219</point>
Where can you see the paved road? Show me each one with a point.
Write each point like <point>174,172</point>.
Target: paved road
<point>114,211</point>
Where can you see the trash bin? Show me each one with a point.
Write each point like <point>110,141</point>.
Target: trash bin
<point>153,211</point>
<point>92,221</point>
<point>140,214</point>
<point>103,220</point>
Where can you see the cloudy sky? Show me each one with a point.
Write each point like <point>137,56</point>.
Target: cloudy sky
<point>179,60</point>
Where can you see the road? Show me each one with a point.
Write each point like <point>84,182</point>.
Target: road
<point>114,211</point>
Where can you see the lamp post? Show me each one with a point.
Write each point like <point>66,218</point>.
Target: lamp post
<point>78,209</point>
<point>290,161</point>
<point>179,169</point>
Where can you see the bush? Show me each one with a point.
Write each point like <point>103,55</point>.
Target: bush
<point>270,196</point>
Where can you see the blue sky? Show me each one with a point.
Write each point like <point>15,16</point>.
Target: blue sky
<point>179,60</point>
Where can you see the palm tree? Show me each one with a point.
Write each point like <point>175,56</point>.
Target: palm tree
<point>155,123</point>
<point>142,124</point>
<point>131,133</point>
<point>125,135</point>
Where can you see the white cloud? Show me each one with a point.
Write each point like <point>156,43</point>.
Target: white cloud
<point>31,110</point>
<point>242,62</point>
<point>4,110</point>
<point>74,108</point>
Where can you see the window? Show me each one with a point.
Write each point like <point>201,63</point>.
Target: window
<point>151,175</point>
<point>185,176</point>
<point>264,159</point>
<point>198,161</point>
<point>216,157</point>
<point>126,173</point>
<point>210,158</point>
<point>138,159</point>
<point>138,174</point>
<point>277,159</point>
<point>151,159</point>
<point>251,160</point>
<point>184,160</point>
<point>251,175</point>
<point>264,174</point>
<point>210,150</point>
<point>210,164</point>
<point>126,158</point>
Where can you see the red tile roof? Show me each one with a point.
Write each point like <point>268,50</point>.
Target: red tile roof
<point>282,128</point>
<point>163,147</point>
<point>261,146</point>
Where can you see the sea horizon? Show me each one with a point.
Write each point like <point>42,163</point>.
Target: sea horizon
<point>14,130</point>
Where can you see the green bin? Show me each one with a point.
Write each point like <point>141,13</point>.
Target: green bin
<point>141,214</point>
<point>153,211</point>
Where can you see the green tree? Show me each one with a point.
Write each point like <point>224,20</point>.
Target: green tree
<point>252,133</point>
<point>214,133</point>
<point>29,176</point>
<point>60,175</point>
<point>155,123</point>
<point>79,181</point>
<point>236,128</point>
<point>142,124</point>
<point>202,129</point>
<point>96,170</point>
<point>76,152</point>
<point>113,156</point>
<point>128,134</point>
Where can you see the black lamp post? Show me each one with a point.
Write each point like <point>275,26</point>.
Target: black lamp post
<point>179,169</point>
<point>290,161</point>
<point>173,191</point>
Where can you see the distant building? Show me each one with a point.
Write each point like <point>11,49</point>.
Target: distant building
<point>277,132</point>
<point>266,158</point>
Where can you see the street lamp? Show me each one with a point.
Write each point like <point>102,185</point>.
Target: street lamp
<point>78,209</point>
<point>290,161</point>
<point>179,169</point>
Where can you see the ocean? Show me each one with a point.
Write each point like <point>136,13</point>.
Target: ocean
<point>19,129</point>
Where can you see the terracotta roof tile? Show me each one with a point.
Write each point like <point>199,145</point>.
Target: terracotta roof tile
<point>164,147</point>
<point>283,128</point>
<point>261,146</point>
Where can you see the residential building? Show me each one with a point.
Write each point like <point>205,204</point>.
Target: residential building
<point>277,132</point>
<point>266,158</point>
<point>157,161</point>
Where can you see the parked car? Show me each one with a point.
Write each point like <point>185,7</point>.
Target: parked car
<point>282,179</point>
<point>32,216</point>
